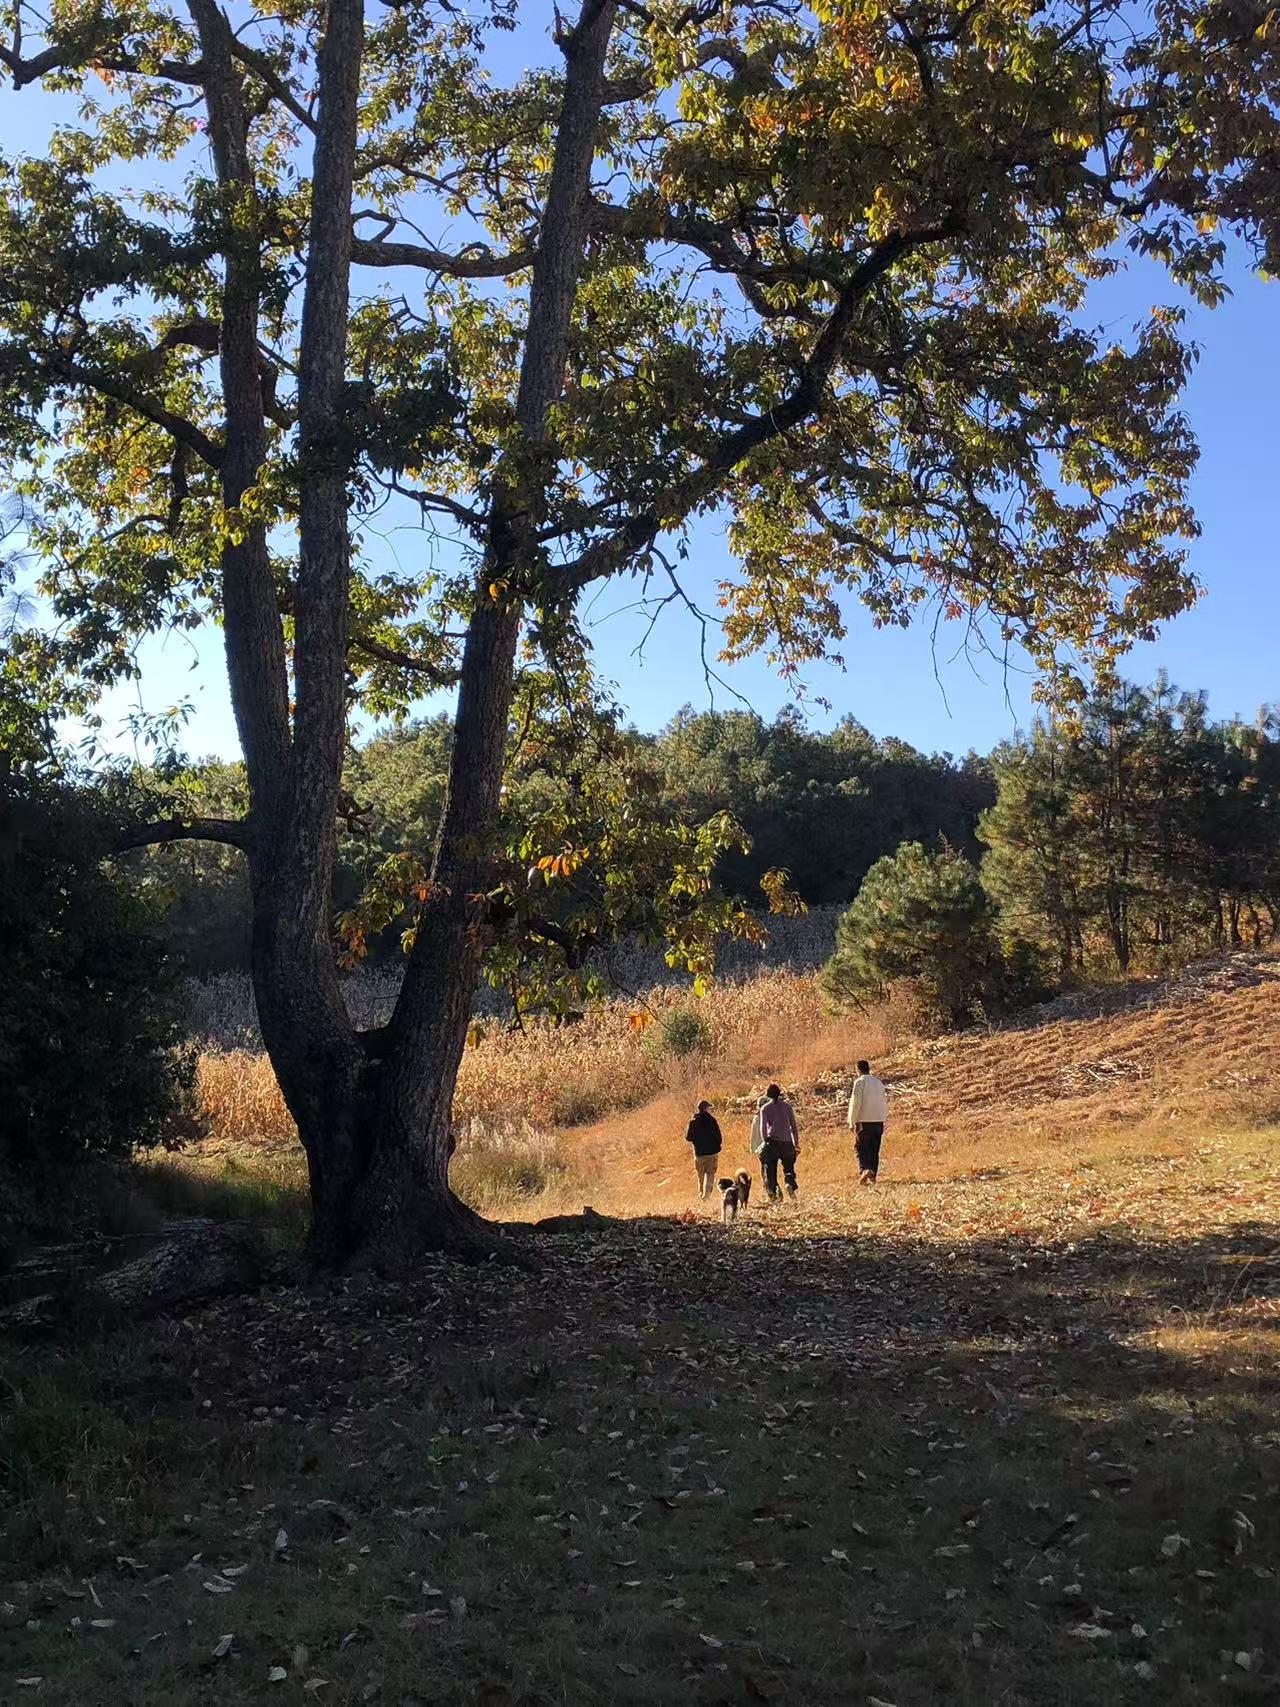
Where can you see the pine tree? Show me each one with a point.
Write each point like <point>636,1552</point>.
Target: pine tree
<point>922,918</point>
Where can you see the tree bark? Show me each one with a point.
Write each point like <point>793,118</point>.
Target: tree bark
<point>294,771</point>
<point>256,668</point>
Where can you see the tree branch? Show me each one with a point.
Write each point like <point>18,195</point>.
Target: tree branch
<point>474,262</point>
<point>438,676</point>
<point>232,831</point>
<point>266,73</point>
<point>85,55</point>
<point>713,238</point>
<point>606,556</point>
<point>620,89</point>
<point>116,386</point>
<point>434,502</point>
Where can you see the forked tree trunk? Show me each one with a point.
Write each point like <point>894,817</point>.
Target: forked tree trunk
<point>374,1113</point>
<point>403,1202</point>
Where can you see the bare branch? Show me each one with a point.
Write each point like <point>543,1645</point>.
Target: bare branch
<point>232,831</point>
<point>477,261</point>
<point>436,502</point>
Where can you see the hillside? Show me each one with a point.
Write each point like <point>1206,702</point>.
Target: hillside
<point>1153,1067</point>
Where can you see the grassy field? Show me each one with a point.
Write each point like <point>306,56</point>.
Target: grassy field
<point>1003,1429</point>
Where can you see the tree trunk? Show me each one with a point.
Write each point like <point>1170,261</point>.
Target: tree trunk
<point>377,1121</point>
<point>295,772</point>
<point>374,1113</point>
<point>1233,921</point>
<point>403,1202</point>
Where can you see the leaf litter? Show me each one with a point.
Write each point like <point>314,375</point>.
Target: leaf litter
<point>690,1396</point>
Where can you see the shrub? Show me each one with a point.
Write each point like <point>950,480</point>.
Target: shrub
<point>91,1052</point>
<point>683,1032</point>
<point>921,921</point>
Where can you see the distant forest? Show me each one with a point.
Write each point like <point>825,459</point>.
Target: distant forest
<point>824,807</point>
<point>1138,833</point>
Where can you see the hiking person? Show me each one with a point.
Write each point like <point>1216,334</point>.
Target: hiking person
<point>868,1111</point>
<point>704,1135</point>
<point>776,1139</point>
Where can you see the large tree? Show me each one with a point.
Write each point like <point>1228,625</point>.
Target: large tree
<point>822,266</point>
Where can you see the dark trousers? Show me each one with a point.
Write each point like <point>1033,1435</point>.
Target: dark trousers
<point>866,1139</point>
<point>770,1157</point>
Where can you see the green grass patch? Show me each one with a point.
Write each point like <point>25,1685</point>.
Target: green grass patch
<point>263,1187</point>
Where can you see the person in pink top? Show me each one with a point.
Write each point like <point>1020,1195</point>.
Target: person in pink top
<point>775,1138</point>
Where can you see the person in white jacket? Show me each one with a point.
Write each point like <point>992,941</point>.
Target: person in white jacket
<point>868,1111</point>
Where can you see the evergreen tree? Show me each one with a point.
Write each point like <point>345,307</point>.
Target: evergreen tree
<point>1139,833</point>
<point>923,918</point>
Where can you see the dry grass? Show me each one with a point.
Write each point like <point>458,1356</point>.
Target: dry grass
<point>552,1076</point>
<point>555,1116</point>
<point>530,1104</point>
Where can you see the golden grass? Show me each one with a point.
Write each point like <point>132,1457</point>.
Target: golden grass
<point>553,1117</point>
<point>533,1106</point>
<point>549,1077</point>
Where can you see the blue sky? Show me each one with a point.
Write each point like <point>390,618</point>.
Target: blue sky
<point>900,683</point>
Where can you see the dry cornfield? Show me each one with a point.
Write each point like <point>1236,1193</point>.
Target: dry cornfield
<point>550,1076</point>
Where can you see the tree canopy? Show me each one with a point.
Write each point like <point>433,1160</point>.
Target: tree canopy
<point>1144,830</point>
<point>885,220</point>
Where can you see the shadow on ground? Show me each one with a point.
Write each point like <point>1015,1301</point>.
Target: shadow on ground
<point>673,1465</point>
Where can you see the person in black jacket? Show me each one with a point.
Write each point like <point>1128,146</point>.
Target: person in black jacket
<point>704,1135</point>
